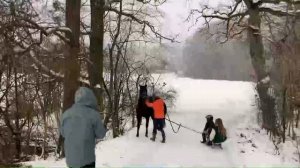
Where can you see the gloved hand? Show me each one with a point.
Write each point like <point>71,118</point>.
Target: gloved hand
<point>151,99</point>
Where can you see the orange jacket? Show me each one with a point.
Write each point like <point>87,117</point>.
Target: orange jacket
<point>158,108</point>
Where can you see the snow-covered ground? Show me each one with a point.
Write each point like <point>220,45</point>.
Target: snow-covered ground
<point>247,144</point>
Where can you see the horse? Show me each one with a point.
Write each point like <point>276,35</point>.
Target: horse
<point>142,110</point>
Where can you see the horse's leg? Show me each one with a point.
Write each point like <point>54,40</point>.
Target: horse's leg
<point>147,124</point>
<point>139,119</point>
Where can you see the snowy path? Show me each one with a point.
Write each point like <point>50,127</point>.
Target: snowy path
<point>231,101</point>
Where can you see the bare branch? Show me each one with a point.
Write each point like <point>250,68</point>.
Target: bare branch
<point>235,7</point>
<point>142,22</point>
<point>228,17</point>
<point>218,14</point>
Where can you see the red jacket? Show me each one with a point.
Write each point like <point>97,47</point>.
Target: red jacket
<point>158,107</point>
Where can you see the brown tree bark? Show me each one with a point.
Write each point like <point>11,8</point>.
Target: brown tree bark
<point>95,66</point>
<point>72,68</point>
<point>258,62</point>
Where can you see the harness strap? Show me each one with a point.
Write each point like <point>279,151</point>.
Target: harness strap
<point>179,126</point>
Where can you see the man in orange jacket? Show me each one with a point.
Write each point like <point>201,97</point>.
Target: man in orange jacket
<point>160,110</point>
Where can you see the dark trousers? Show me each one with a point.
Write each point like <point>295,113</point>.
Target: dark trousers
<point>159,125</point>
<point>205,135</point>
<point>92,165</point>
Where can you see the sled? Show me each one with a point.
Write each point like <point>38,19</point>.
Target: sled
<point>217,145</point>
<point>214,145</point>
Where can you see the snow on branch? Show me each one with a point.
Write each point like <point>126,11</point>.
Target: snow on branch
<point>60,29</point>
<point>294,2</point>
<point>265,80</point>
<point>279,12</point>
<point>51,72</point>
<point>47,71</point>
<point>240,10</point>
<point>49,30</point>
<point>157,2</point>
<point>44,67</point>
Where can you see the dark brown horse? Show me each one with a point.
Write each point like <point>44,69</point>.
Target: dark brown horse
<point>142,110</point>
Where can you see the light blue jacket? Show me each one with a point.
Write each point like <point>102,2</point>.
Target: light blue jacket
<point>81,125</point>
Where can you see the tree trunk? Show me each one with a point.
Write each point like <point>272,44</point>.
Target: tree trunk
<point>112,89</point>
<point>45,134</point>
<point>116,87</point>
<point>289,132</point>
<point>297,118</point>
<point>284,110</point>
<point>258,62</point>
<point>132,102</point>
<point>293,132</point>
<point>95,66</point>
<point>18,145</point>
<point>72,68</point>
<point>17,118</point>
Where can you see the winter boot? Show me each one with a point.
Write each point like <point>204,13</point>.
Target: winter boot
<point>209,143</point>
<point>153,137</point>
<point>163,136</point>
<point>163,140</point>
<point>204,138</point>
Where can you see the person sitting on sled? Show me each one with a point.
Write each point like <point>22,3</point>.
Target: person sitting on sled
<point>208,128</point>
<point>220,135</point>
<point>160,110</point>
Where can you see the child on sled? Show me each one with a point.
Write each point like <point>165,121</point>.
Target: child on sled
<point>220,131</point>
<point>220,135</point>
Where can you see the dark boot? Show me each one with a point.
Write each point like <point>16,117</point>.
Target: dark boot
<point>153,137</point>
<point>163,136</point>
<point>204,138</point>
<point>209,143</point>
<point>163,140</point>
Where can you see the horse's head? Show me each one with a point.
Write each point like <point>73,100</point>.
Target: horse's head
<point>143,92</point>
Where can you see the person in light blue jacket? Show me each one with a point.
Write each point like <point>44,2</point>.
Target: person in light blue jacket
<point>80,126</point>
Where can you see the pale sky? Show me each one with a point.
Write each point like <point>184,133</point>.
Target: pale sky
<point>177,11</point>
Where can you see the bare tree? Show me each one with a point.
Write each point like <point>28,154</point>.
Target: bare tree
<point>245,15</point>
<point>41,60</point>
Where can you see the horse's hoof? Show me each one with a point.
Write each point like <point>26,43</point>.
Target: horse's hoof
<point>137,135</point>
<point>146,136</point>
